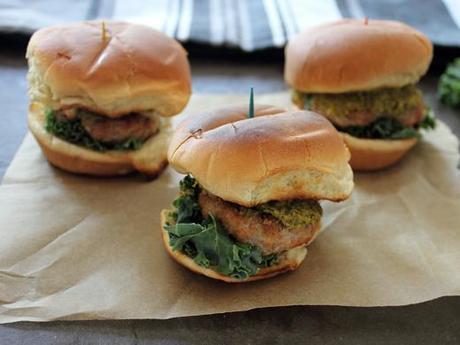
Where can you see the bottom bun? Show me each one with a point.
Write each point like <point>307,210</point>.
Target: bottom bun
<point>149,160</point>
<point>375,154</point>
<point>287,261</point>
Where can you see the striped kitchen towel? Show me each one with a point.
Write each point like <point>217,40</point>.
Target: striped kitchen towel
<point>246,24</point>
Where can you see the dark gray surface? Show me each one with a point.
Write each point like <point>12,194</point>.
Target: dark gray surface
<point>434,322</point>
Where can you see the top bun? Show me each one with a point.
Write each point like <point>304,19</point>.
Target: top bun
<point>352,55</point>
<point>109,67</point>
<point>277,155</point>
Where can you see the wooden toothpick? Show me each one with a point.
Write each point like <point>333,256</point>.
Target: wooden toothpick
<point>105,35</point>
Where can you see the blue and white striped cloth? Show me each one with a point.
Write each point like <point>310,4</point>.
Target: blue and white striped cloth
<point>247,24</point>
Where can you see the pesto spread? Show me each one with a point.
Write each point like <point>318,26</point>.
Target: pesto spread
<point>393,102</point>
<point>293,213</point>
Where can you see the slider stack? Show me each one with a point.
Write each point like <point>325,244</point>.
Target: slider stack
<point>361,75</point>
<point>249,205</point>
<point>102,94</point>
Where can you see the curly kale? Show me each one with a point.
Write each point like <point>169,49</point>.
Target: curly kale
<point>449,85</point>
<point>389,128</point>
<point>207,242</point>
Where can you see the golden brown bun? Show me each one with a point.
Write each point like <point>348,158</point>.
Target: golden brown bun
<point>288,261</point>
<point>134,69</point>
<point>277,155</point>
<point>348,55</point>
<point>375,154</point>
<point>150,159</point>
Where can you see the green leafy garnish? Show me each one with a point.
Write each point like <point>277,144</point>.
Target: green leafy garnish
<point>207,242</point>
<point>449,84</point>
<point>187,209</point>
<point>389,128</point>
<point>429,122</point>
<point>211,246</point>
<point>74,132</point>
<point>308,101</point>
<point>129,144</point>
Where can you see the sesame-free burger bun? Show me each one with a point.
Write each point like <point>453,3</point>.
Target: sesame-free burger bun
<point>355,55</point>
<point>149,160</point>
<point>287,261</point>
<point>277,155</point>
<point>375,154</point>
<point>112,68</point>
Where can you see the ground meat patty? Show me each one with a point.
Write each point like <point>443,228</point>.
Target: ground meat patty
<point>264,231</point>
<point>108,130</point>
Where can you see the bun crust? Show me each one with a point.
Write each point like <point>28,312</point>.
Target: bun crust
<point>135,68</point>
<point>375,154</point>
<point>349,55</point>
<point>288,261</point>
<point>149,160</point>
<point>277,155</point>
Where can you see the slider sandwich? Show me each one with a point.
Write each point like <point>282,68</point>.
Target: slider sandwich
<point>102,94</point>
<point>362,75</point>
<point>249,203</point>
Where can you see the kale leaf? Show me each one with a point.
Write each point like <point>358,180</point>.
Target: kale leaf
<point>207,242</point>
<point>214,248</point>
<point>429,122</point>
<point>389,128</point>
<point>74,132</point>
<point>308,101</point>
<point>187,209</point>
<point>449,84</point>
<point>127,145</point>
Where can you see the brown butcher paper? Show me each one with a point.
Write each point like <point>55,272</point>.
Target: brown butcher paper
<point>75,247</point>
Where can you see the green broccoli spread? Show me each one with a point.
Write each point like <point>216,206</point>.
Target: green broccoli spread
<point>393,102</point>
<point>293,213</point>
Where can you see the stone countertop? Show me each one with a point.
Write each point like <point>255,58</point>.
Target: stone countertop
<point>434,322</point>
